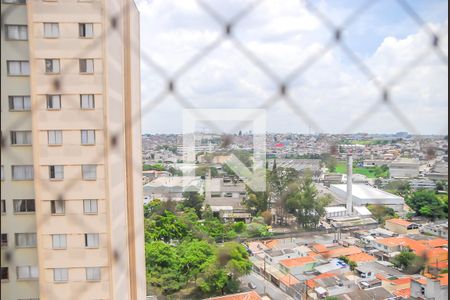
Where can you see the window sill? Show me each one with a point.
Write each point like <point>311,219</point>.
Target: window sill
<point>19,110</point>
<point>89,179</point>
<point>21,145</point>
<point>89,145</point>
<point>52,73</point>
<point>54,179</point>
<point>91,214</point>
<point>60,282</point>
<point>59,249</point>
<point>27,279</point>
<point>93,280</point>
<point>87,108</point>
<point>25,247</point>
<point>51,38</point>
<point>19,75</point>
<point>58,214</point>
<point>87,73</point>
<point>21,180</point>
<point>92,247</point>
<point>53,109</point>
<point>55,145</point>
<point>25,213</point>
<point>13,40</point>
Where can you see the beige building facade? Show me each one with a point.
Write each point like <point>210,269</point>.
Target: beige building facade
<point>72,220</point>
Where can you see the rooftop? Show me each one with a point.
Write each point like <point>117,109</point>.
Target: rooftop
<point>296,262</point>
<point>399,222</point>
<point>252,295</point>
<point>361,258</point>
<point>363,191</point>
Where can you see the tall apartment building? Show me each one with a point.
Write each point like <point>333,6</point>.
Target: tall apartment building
<point>71,195</point>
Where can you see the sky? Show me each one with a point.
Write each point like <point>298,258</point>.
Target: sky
<point>333,95</point>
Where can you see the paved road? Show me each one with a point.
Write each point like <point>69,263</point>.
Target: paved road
<point>264,287</point>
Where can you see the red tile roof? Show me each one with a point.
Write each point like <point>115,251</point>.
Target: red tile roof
<point>296,262</point>
<point>252,295</point>
<point>444,279</point>
<point>311,283</point>
<point>436,243</point>
<point>344,251</point>
<point>404,293</point>
<point>319,248</point>
<point>361,257</point>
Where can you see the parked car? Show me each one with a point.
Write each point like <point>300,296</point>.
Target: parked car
<point>251,285</point>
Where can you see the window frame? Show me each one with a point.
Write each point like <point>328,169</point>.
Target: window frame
<point>52,35</point>
<point>57,135</point>
<point>19,26</point>
<point>88,137</point>
<point>30,238</point>
<point>22,99</point>
<point>54,62</point>
<point>4,244</point>
<point>27,170</point>
<point>28,136</point>
<point>21,62</point>
<point>56,172</point>
<point>53,207</point>
<point>50,98</point>
<point>27,210</point>
<point>93,274</point>
<point>90,101</point>
<point>85,61</point>
<point>64,275</point>
<point>96,239</point>
<point>90,205</point>
<point>82,30</point>
<point>59,241</point>
<point>84,175</point>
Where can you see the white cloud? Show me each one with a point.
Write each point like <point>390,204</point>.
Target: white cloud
<point>333,92</point>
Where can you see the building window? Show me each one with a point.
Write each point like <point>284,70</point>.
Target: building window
<point>24,205</point>
<point>22,172</point>
<point>14,1</point>
<point>4,242</point>
<point>54,137</point>
<point>51,30</point>
<point>90,206</point>
<point>53,102</point>
<point>56,172</point>
<point>25,240</point>
<point>86,30</point>
<point>91,240</point>
<point>87,102</point>
<point>19,103</point>
<point>21,138</point>
<point>59,241</point>
<point>87,66</point>
<point>87,137</point>
<point>18,68</point>
<point>93,274</point>
<point>16,32</point>
<point>52,66</point>
<point>57,207</point>
<point>60,275</point>
<point>3,208</point>
<point>27,272</point>
<point>89,172</point>
<point>5,273</point>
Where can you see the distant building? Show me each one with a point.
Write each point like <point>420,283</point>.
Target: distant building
<point>430,289</point>
<point>401,226</point>
<point>404,168</point>
<point>440,230</point>
<point>364,195</point>
<point>425,184</point>
<point>439,171</point>
<point>165,188</point>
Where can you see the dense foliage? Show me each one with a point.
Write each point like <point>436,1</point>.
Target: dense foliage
<point>427,203</point>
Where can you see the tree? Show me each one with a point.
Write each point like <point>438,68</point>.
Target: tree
<point>166,227</point>
<point>304,202</point>
<point>239,227</point>
<point>163,267</point>
<point>195,257</point>
<point>408,262</point>
<point>353,265</point>
<point>193,200</point>
<point>426,203</point>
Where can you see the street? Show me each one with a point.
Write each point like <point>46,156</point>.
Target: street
<point>262,286</point>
